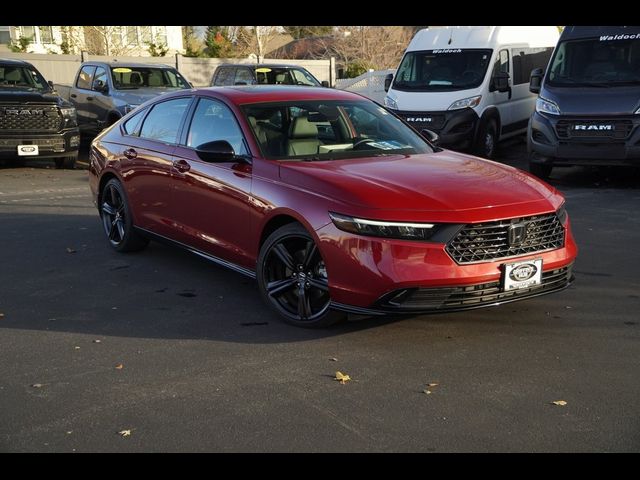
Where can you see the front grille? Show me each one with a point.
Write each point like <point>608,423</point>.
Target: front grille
<point>54,144</point>
<point>470,296</point>
<point>484,242</point>
<point>621,129</point>
<point>414,119</point>
<point>40,118</point>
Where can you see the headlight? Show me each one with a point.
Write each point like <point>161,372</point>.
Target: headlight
<point>466,103</point>
<point>69,115</point>
<point>546,106</point>
<point>390,102</point>
<point>130,107</point>
<point>562,215</point>
<point>377,228</point>
<point>638,111</point>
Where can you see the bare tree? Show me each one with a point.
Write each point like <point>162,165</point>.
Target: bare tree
<point>254,39</point>
<point>105,40</point>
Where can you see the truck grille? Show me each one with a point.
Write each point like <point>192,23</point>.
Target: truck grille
<point>602,128</point>
<point>470,296</point>
<point>51,144</point>
<point>30,118</point>
<point>484,242</point>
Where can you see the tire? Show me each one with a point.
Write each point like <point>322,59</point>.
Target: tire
<point>487,139</point>
<point>117,221</point>
<point>292,278</point>
<point>68,163</point>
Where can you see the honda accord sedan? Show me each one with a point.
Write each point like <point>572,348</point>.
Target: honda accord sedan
<point>332,203</point>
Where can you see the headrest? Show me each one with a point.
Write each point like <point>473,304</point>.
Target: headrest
<point>135,78</point>
<point>12,75</point>
<point>303,128</point>
<point>280,77</point>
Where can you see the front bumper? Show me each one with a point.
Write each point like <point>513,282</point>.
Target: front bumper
<point>456,128</point>
<point>50,145</point>
<point>548,148</point>
<point>371,275</point>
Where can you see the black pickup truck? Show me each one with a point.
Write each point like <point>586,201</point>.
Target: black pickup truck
<point>35,122</point>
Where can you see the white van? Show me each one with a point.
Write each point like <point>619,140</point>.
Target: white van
<point>470,85</point>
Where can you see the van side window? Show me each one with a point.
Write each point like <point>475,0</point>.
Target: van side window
<point>503,59</point>
<point>527,59</point>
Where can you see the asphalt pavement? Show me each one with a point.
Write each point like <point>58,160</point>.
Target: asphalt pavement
<point>162,351</point>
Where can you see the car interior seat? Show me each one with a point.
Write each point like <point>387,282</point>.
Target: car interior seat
<point>135,79</point>
<point>12,77</point>
<point>303,137</point>
<point>281,78</point>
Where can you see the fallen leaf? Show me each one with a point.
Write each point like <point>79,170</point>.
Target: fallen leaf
<point>342,378</point>
<point>124,433</point>
<point>97,341</point>
<point>432,384</point>
<point>69,432</point>
<point>568,307</point>
<point>76,348</point>
<point>561,403</point>
<point>70,250</point>
<point>37,385</point>
<point>1,315</point>
<point>119,366</point>
<point>428,392</point>
<point>333,359</point>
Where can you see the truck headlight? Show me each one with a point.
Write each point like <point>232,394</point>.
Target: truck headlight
<point>469,102</point>
<point>390,103</point>
<point>377,228</point>
<point>547,106</point>
<point>70,117</point>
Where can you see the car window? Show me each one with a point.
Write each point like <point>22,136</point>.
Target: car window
<point>303,78</point>
<point>243,76</point>
<point>213,121</point>
<point>100,75</point>
<point>225,76</point>
<point>130,127</point>
<point>85,76</point>
<point>163,122</point>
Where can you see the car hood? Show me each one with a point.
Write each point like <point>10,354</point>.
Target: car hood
<point>439,184</point>
<point>419,101</point>
<point>141,95</point>
<point>25,97</point>
<point>594,100</point>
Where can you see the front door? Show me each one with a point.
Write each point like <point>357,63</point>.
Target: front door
<point>502,100</point>
<point>211,203</point>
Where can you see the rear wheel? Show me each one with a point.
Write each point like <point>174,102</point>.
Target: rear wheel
<point>117,221</point>
<point>68,162</point>
<point>537,168</point>
<point>293,278</point>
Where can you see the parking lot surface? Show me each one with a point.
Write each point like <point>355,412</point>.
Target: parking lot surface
<point>162,351</point>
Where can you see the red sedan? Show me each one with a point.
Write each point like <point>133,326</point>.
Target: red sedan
<point>331,202</point>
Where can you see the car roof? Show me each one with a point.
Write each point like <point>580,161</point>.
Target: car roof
<point>11,61</point>
<point>245,94</point>
<point>261,65</point>
<point>129,64</point>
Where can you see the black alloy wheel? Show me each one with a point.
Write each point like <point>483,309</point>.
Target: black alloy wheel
<point>293,278</point>
<point>116,219</point>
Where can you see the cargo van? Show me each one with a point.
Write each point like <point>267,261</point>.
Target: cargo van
<point>588,112</point>
<point>470,85</point>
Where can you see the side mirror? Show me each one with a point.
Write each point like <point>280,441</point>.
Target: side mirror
<point>325,84</point>
<point>50,83</point>
<point>535,81</point>
<point>218,151</point>
<point>430,135</point>
<point>100,86</point>
<point>501,82</point>
<point>387,82</point>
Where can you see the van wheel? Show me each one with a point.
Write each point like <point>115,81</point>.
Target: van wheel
<point>66,162</point>
<point>540,170</point>
<point>487,139</point>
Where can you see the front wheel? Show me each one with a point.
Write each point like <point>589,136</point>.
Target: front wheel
<point>68,162</point>
<point>116,219</point>
<point>293,280</point>
<point>487,139</point>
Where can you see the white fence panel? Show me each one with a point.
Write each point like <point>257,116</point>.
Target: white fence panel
<point>370,84</point>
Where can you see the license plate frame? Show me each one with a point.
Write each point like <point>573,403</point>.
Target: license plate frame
<point>28,150</point>
<point>523,274</point>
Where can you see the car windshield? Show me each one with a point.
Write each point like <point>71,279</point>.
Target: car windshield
<point>602,61</point>
<point>285,76</point>
<point>125,78</point>
<point>18,77</point>
<point>442,69</point>
<point>328,130</point>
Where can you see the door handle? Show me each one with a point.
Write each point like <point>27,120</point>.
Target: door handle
<point>181,165</point>
<point>73,95</point>
<point>89,98</point>
<point>130,153</point>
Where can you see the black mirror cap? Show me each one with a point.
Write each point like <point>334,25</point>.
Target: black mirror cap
<point>535,81</point>
<point>325,84</point>
<point>387,82</point>
<point>100,86</point>
<point>430,135</point>
<point>501,81</point>
<point>218,151</point>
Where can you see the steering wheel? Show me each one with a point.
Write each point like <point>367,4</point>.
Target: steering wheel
<point>473,75</point>
<point>361,142</point>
